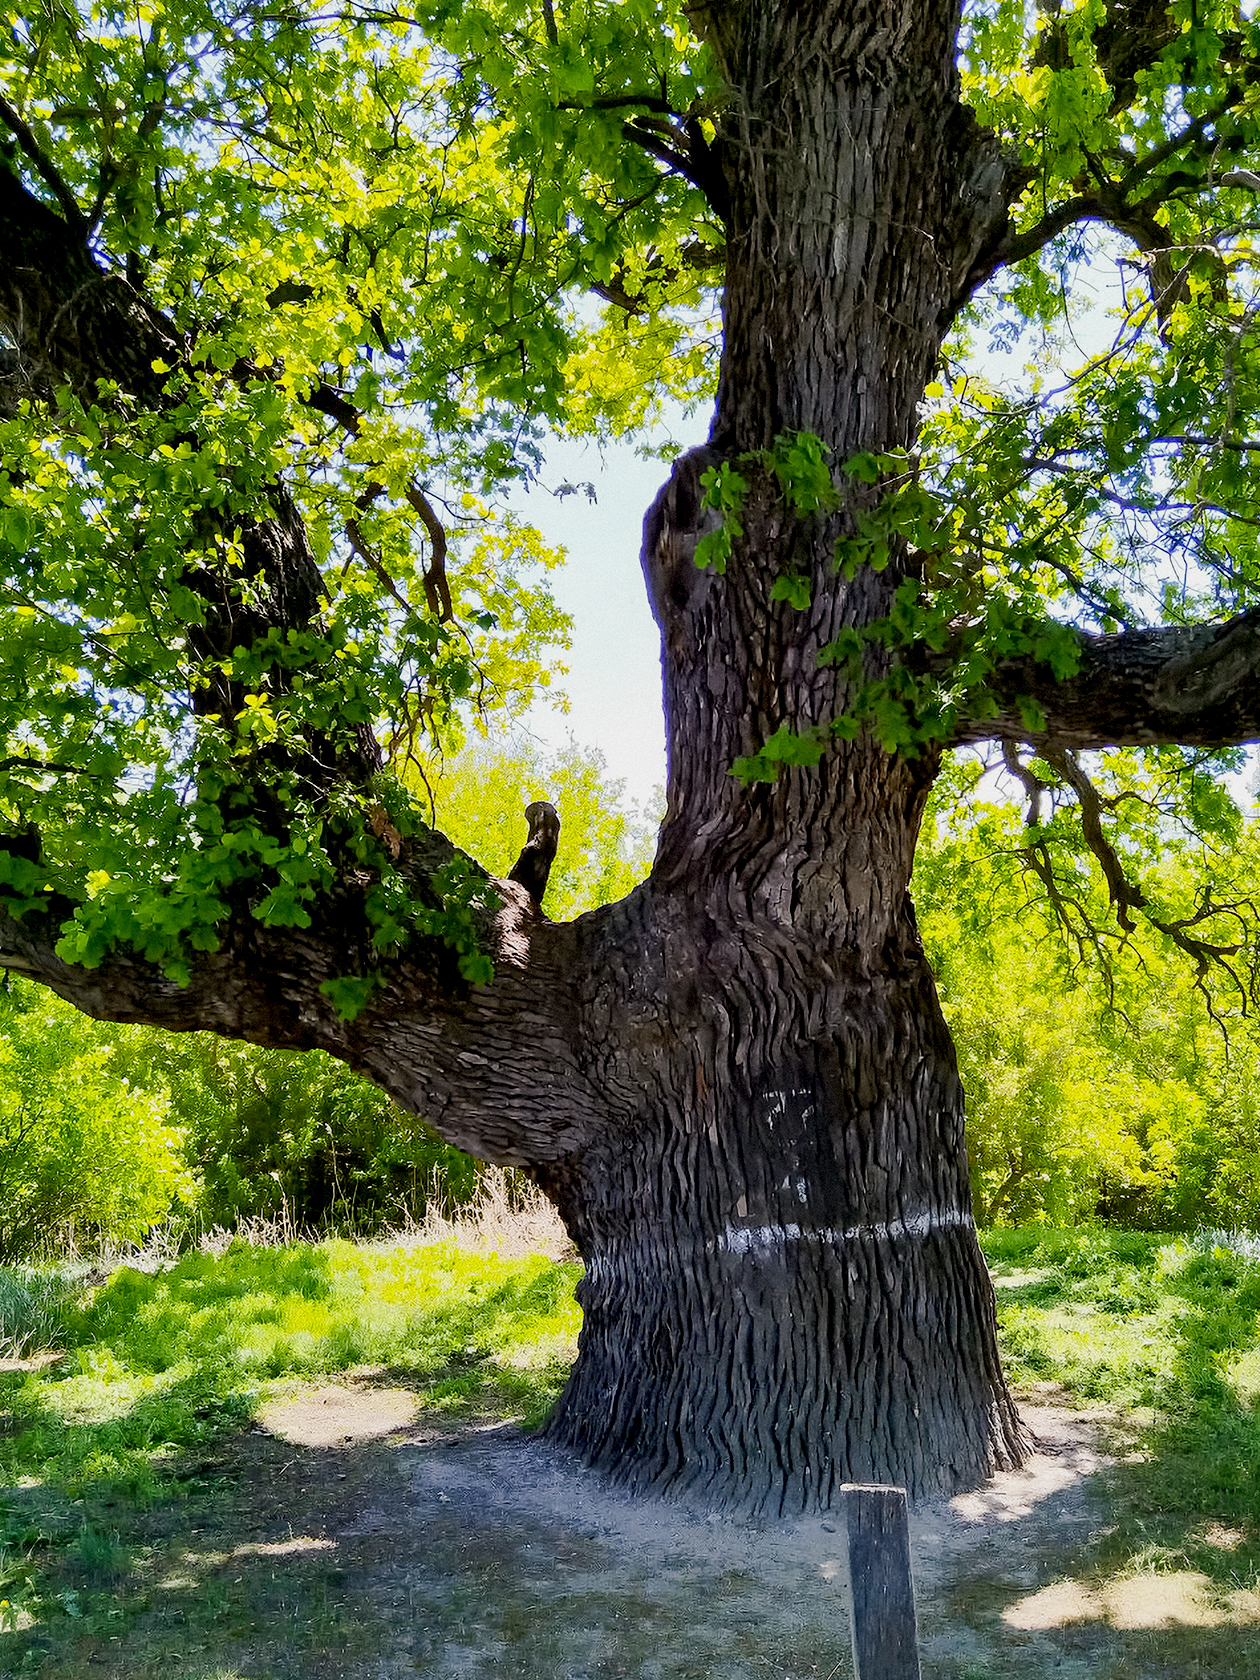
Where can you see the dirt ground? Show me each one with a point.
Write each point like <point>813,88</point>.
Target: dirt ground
<point>342,1540</point>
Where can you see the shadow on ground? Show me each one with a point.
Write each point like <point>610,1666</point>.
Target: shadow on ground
<point>339,1539</point>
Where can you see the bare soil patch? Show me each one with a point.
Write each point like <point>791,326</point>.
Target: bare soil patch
<point>341,1539</point>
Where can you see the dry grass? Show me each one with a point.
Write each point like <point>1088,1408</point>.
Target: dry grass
<point>508,1216</point>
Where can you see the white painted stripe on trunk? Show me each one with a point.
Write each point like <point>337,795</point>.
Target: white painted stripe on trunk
<point>760,1239</point>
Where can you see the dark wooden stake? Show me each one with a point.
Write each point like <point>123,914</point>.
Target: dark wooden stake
<point>881,1593</point>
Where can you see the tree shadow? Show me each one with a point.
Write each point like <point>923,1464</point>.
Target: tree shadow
<point>292,1562</point>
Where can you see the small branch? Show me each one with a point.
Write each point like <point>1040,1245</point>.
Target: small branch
<point>18,761</point>
<point>1124,896</point>
<point>1207,955</point>
<point>1032,785</point>
<point>365,551</point>
<point>1188,136</point>
<point>437,589</point>
<point>623,102</point>
<point>1111,203</point>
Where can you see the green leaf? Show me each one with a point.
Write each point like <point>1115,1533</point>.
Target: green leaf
<point>864,467</point>
<point>16,527</point>
<point>349,994</point>
<point>793,589</point>
<point>1031,715</point>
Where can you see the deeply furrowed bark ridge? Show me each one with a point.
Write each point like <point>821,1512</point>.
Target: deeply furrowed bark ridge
<point>783,1290</point>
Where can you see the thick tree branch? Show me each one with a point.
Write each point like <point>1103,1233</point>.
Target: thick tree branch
<point>67,320</point>
<point>1113,202</point>
<point>41,163</point>
<point>688,153</point>
<point>696,254</point>
<point>533,866</point>
<point>493,1066</point>
<point>1195,685</point>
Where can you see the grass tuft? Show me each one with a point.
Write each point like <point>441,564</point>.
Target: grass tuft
<point>101,1556</point>
<point>35,1304</point>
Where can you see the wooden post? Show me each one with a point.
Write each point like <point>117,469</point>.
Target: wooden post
<point>881,1593</point>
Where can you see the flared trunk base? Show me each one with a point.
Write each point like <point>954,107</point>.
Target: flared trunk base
<point>765,1369</point>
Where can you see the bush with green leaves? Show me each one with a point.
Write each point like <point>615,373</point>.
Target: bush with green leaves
<point>295,1136</point>
<point>86,1155</point>
<point>1098,1082</point>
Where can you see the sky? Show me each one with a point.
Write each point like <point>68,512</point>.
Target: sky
<point>614,678</point>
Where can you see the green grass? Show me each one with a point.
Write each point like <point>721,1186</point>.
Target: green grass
<point>35,1303</point>
<point>156,1366</point>
<point>120,1432</point>
<point>1164,1331</point>
<point>103,1449</point>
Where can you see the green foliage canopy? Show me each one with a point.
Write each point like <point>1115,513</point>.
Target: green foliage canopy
<point>377,245</point>
<point>370,244</point>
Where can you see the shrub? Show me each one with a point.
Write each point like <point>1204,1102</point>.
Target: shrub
<point>85,1156</point>
<point>295,1136</point>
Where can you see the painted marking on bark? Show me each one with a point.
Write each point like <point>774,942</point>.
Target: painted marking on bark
<point>760,1239</point>
<point>777,1103</point>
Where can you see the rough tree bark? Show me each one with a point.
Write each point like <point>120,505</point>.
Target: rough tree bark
<point>783,1286</point>
<point>737,1084</point>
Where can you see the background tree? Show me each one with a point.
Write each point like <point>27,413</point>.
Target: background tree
<point>84,1153</point>
<point>287,296</point>
<point>1099,1081</point>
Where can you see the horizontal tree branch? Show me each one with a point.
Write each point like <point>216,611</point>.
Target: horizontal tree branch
<point>1111,203</point>
<point>491,1066</point>
<point>1189,685</point>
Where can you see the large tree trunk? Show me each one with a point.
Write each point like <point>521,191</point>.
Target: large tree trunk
<point>784,1289</point>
